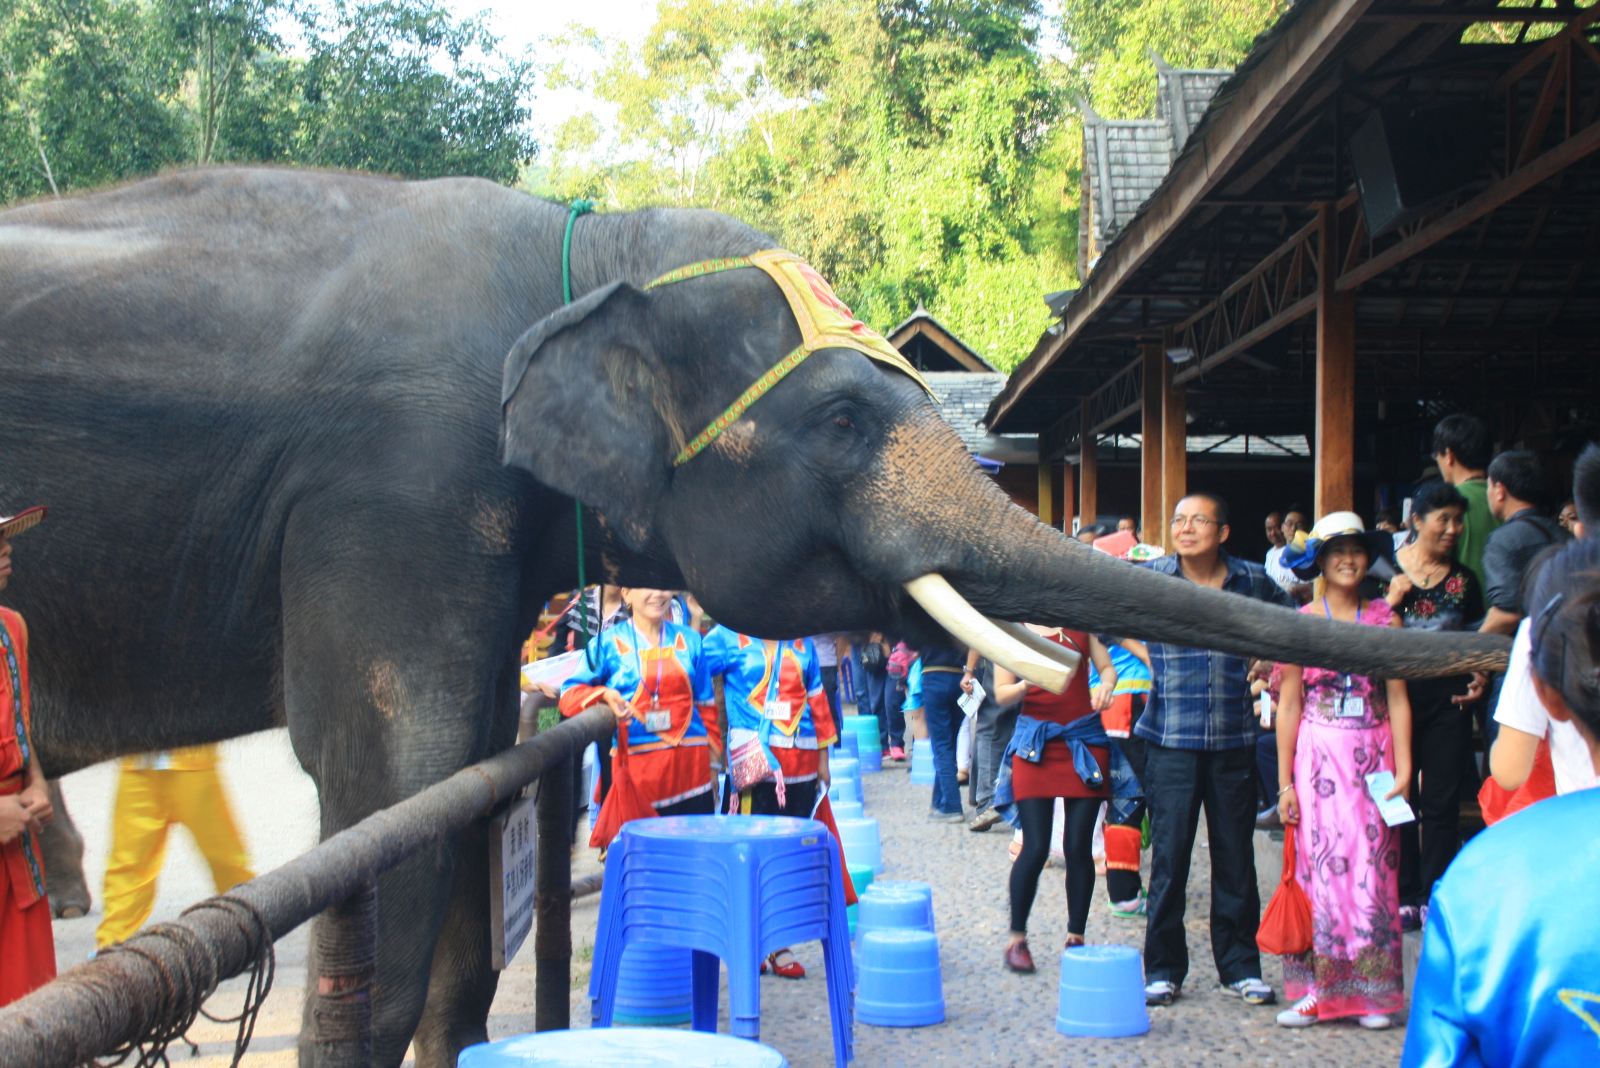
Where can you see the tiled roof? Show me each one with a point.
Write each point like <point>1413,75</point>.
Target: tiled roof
<point>963,398</point>
<point>1125,160</point>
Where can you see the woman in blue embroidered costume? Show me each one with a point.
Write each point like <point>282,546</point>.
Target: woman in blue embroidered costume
<point>1507,977</point>
<point>652,674</point>
<point>778,715</point>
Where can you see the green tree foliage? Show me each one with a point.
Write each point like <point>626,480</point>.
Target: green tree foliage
<point>93,91</point>
<point>899,146</point>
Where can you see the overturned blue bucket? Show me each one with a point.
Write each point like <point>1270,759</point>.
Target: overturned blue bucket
<point>1102,992</point>
<point>898,982</point>
<point>922,762</point>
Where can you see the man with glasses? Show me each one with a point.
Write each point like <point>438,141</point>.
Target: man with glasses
<point>1200,738</point>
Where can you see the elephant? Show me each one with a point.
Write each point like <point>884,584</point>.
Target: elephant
<point>313,441</point>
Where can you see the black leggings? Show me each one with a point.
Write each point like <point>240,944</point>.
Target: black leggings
<point>1035,814</point>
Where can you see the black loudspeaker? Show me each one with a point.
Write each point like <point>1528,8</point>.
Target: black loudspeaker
<point>1406,157</point>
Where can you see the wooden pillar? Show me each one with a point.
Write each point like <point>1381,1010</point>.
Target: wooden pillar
<point>1046,496</point>
<point>1088,476</point>
<point>1334,453</point>
<point>1069,492</point>
<point>1154,393</point>
<point>1174,454</point>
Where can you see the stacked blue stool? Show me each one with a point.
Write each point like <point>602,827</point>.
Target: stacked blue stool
<point>892,903</point>
<point>635,1047</point>
<point>653,986</point>
<point>850,745</point>
<point>922,762</point>
<point>898,982</point>
<point>729,887</point>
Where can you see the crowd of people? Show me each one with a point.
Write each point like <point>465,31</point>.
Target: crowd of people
<point>1365,776</point>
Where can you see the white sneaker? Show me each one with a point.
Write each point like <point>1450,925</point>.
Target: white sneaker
<point>1375,1022</point>
<point>1303,1014</point>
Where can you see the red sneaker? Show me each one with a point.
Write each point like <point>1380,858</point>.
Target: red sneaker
<point>896,753</point>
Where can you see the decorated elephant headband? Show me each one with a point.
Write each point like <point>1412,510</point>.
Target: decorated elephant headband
<point>824,320</point>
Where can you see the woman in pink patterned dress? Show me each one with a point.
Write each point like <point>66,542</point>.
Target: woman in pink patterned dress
<point>1333,731</point>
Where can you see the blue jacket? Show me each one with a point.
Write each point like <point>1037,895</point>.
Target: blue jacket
<point>1507,977</point>
<point>1028,742</point>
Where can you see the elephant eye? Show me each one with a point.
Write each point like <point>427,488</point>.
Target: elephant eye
<point>843,422</point>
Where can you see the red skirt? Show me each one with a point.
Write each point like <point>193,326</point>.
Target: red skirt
<point>1054,776</point>
<point>29,960</point>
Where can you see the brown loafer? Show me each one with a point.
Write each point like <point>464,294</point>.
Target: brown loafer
<point>1019,960</point>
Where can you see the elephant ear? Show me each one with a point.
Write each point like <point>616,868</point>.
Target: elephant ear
<point>581,408</point>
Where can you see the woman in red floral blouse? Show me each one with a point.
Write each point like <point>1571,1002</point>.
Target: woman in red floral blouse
<point>1434,592</point>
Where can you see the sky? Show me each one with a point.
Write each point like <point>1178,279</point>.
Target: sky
<point>524,23</point>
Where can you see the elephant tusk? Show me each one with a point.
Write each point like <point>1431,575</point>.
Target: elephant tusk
<point>1067,658</point>
<point>1050,669</point>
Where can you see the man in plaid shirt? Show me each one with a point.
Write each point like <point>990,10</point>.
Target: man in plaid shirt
<point>1200,732</point>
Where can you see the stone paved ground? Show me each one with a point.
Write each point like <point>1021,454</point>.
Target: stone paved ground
<point>992,1016</point>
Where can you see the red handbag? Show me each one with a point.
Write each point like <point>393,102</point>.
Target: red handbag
<point>624,802</point>
<point>1286,922</point>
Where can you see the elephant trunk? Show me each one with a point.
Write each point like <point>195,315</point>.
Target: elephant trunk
<point>1008,566</point>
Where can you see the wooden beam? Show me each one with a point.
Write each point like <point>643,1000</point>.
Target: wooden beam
<point>1174,455</point>
<point>1153,359</point>
<point>1088,477</point>
<point>1473,15</point>
<point>1046,495</point>
<point>1069,490</point>
<point>1513,185</point>
<point>1280,73</point>
<point>1334,449</point>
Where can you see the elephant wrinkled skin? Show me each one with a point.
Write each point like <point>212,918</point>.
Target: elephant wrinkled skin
<point>265,408</point>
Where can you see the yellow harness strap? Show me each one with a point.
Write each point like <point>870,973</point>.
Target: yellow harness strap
<point>824,321</point>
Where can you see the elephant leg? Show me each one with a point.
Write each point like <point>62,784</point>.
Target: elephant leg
<point>462,985</point>
<point>63,861</point>
<point>385,686</point>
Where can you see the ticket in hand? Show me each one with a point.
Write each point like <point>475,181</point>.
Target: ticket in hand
<point>1394,811</point>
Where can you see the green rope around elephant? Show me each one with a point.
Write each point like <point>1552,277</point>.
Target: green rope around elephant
<point>576,208</point>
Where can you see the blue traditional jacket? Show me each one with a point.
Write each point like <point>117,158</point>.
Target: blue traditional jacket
<point>671,677</point>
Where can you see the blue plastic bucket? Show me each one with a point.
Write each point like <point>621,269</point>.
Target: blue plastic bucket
<point>922,762</point>
<point>898,982</point>
<point>862,847</point>
<point>654,986</point>
<point>1102,992</point>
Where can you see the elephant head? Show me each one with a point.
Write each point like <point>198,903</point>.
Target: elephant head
<point>835,497</point>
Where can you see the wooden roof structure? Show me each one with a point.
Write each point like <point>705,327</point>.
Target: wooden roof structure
<point>929,346</point>
<point>1251,266</point>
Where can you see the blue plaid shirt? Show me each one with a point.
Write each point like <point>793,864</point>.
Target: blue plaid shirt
<point>1200,698</point>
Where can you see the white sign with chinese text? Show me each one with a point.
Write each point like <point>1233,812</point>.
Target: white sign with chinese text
<point>511,881</point>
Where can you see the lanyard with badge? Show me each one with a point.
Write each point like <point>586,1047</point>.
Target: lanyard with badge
<point>1349,707</point>
<point>657,720</point>
<point>774,710</point>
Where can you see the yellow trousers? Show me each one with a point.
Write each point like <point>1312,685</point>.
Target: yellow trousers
<point>148,803</point>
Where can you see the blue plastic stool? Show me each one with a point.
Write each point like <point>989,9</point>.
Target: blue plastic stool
<point>845,790</point>
<point>846,810</point>
<point>621,1045</point>
<point>850,745</point>
<point>1102,992</point>
<point>898,982</point>
<point>845,767</point>
<point>653,986</point>
<point>909,886</point>
<point>922,762</point>
<point>885,907</point>
<point>861,843</point>
<point>729,887</point>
